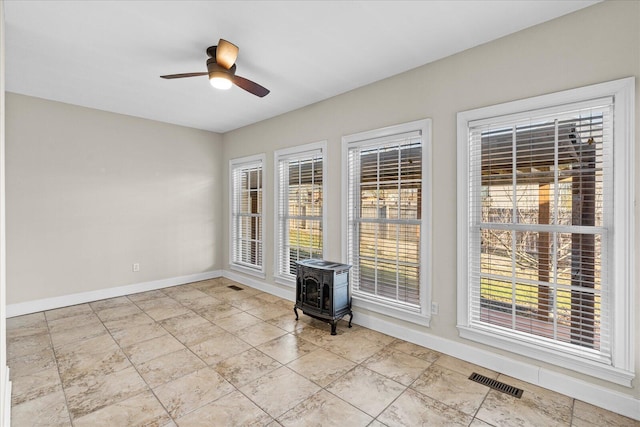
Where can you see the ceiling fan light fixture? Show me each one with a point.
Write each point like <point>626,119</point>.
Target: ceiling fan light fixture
<point>220,77</point>
<point>220,81</point>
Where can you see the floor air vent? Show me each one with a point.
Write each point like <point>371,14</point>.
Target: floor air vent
<point>234,287</point>
<point>496,385</point>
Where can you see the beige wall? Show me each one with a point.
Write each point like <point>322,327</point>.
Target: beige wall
<point>593,45</point>
<point>89,193</point>
<point>5,385</point>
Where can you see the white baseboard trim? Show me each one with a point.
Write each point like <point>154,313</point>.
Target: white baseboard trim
<point>5,405</point>
<point>578,389</point>
<point>84,297</point>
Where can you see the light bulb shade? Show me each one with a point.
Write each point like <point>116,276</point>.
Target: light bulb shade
<point>220,77</point>
<point>220,81</point>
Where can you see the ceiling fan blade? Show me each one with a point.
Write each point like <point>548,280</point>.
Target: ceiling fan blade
<point>226,53</point>
<point>250,86</point>
<point>179,76</point>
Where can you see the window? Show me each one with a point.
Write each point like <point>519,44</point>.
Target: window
<point>247,206</point>
<point>299,203</point>
<point>387,228</point>
<point>543,218</point>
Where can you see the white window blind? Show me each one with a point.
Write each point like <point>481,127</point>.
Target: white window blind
<point>545,253</point>
<point>299,223</point>
<point>246,213</point>
<point>384,218</point>
<point>540,201</point>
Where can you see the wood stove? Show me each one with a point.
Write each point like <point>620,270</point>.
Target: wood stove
<point>322,291</point>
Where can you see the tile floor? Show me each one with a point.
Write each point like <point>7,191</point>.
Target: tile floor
<point>205,355</point>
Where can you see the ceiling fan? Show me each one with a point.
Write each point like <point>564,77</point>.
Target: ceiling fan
<point>222,70</point>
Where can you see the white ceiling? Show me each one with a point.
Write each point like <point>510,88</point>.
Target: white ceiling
<point>109,54</point>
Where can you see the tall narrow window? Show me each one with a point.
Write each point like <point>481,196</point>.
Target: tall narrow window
<point>299,204</point>
<point>539,224</point>
<point>246,213</point>
<point>540,229</point>
<point>386,233</point>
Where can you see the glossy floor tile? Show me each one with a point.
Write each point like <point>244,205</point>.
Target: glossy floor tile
<point>203,354</point>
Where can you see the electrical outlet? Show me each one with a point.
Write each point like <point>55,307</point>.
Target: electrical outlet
<point>435,308</point>
<point>136,267</point>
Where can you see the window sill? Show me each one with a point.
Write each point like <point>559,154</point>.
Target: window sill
<point>396,312</point>
<point>556,356</point>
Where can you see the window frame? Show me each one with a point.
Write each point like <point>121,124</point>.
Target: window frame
<point>620,369</point>
<point>297,152</point>
<point>244,163</point>
<point>423,315</point>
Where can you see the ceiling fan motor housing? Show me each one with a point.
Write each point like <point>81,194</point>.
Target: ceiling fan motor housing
<point>216,70</point>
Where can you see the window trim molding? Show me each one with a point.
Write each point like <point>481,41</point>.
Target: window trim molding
<point>621,370</point>
<point>277,156</point>
<point>423,317</point>
<point>234,164</point>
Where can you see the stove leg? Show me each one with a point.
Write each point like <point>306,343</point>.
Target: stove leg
<point>333,328</point>
<point>295,311</point>
<point>350,318</point>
